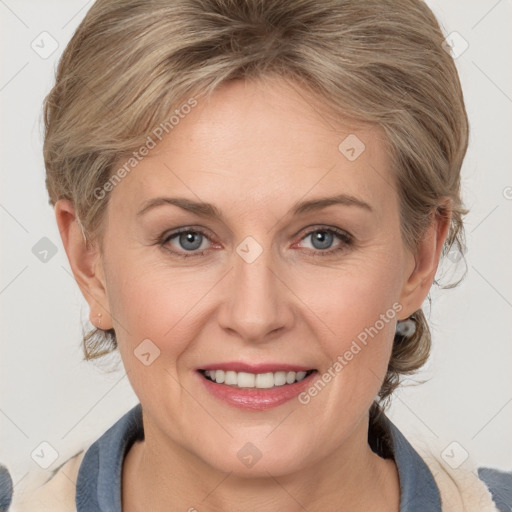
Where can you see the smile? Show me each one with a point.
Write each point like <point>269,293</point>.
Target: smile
<point>255,380</point>
<point>255,387</point>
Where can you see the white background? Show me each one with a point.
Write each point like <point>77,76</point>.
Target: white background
<point>49,394</point>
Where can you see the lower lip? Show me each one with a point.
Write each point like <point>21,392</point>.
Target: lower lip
<point>253,398</point>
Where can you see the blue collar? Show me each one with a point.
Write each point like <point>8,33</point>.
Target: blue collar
<point>418,489</point>
<point>98,487</point>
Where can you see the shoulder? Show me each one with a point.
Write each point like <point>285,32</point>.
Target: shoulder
<point>464,487</point>
<point>79,482</point>
<point>55,495</point>
<point>499,484</point>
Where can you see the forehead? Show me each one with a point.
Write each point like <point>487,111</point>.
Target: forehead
<point>266,144</point>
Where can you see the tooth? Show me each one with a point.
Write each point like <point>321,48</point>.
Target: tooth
<point>300,376</point>
<point>290,377</point>
<point>264,380</point>
<point>251,380</point>
<point>230,378</point>
<point>279,378</point>
<point>245,380</point>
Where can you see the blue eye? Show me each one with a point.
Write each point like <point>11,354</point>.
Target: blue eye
<point>323,238</point>
<point>188,240</point>
<point>194,242</point>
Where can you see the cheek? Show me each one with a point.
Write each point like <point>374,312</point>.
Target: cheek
<point>355,311</point>
<point>159,304</point>
<point>154,314</point>
<point>352,297</point>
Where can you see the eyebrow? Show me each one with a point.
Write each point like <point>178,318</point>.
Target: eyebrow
<point>210,210</point>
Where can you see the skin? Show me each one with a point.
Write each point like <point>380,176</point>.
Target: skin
<point>254,150</point>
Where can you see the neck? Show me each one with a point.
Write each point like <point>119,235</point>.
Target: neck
<point>157,472</point>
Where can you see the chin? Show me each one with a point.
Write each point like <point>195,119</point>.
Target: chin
<point>256,459</point>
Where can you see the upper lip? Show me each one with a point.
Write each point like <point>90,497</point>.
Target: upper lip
<point>238,366</point>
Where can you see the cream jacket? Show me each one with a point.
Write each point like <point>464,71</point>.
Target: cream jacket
<point>461,490</point>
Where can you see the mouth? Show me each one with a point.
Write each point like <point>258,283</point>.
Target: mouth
<point>255,387</point>
<point>249,380</point>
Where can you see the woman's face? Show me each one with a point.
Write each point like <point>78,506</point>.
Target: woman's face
<point>295,264</point>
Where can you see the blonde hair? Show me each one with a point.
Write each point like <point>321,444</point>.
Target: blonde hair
<point>131,63</point>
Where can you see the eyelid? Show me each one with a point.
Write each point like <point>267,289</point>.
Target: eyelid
<point>185,229</point>
<point>165,238</point>
<point>322,227</point>
<point>346,240</point>
<point>344,236</point>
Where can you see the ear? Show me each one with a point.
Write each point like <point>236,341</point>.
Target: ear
<point>86,264</point>
<point>425,261</point>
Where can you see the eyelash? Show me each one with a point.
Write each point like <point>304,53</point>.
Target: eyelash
<point>345,237</point>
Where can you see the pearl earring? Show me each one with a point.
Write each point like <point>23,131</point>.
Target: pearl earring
<point>406,328</point>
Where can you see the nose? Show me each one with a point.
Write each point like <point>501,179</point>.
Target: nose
<point>258,305</point>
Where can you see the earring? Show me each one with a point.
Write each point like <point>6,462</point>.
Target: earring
<point>99,321</point>
<point>406,328</point>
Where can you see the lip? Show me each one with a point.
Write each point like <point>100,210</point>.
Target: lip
<point>254,399</point>
<point>237,366</point>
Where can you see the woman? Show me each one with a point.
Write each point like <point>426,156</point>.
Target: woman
<point>254,197</point>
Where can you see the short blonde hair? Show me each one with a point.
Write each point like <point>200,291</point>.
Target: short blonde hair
<point>131,63</point>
